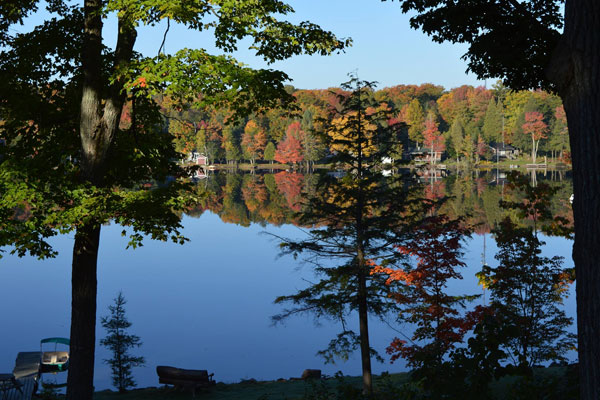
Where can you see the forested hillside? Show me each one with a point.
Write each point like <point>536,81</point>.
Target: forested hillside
<point>466,122</point>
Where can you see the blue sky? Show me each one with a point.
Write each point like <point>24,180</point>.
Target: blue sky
<point>385,48</point>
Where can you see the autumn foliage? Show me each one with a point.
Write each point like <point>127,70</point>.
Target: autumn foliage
<point>290,185</point>
<point>254,141</point>
<point>435,247</point>
<point>290,148</point>
<point>536,127</point>
<point>433,139</point>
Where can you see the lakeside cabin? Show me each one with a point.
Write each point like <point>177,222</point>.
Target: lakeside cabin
<point>197,158</point>
<point>502,150</point>
<point>423,155</point>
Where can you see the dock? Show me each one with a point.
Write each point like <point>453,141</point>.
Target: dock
<point>28,387</point>
<point>26,374</point>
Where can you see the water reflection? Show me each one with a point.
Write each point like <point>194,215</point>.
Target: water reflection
<point>275,198</point>
<point>207,304</point>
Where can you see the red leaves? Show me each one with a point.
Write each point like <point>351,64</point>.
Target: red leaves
<point>141,82</point>
<point>254,140</point>
<point>534,125</point>
<point>289,150</point>
<point>433,139</point>
<point>435,246</point>
<point>290,185</point>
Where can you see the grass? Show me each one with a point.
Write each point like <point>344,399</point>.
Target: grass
<point>325,389</point>
<point>272,390</point>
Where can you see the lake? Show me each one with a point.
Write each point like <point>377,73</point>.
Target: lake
<point>207,304</point>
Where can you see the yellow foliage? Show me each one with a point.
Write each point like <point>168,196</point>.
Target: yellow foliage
<point>346,131</point>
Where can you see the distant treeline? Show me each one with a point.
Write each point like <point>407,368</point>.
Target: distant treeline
<point>464,122</point>
<point>279,198</point>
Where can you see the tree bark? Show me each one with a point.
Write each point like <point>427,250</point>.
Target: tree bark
<point>83,313</point>
<point>575,68</point>
<point>99,121</point>
<point>363,311</point>
<point>363,318</point>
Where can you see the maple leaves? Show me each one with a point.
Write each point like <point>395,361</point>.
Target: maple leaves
<point>254,141</point>
<point>290,148</point>
<point>433,139</point>
<point>290,185</point>
<point>435,246</point>
<point>536,127</point>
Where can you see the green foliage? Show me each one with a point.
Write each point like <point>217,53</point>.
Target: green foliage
<point>488,28</point>
<point>119,342</point>
<point>269,152</point>
<point>41,83</point>
<point>492,124</point>
<point>415,118</point>
<point>457,138</point>
<point>231,143</point>
<point>528,289</point>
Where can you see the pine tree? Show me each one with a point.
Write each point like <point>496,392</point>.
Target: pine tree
<point>492,122</point>
<point>269,152</point>
<point>119,342</point>
<point>354,214</point>
<point>457,138</point>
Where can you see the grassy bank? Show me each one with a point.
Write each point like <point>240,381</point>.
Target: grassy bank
<point>553,383</point>
<point>270,390</point>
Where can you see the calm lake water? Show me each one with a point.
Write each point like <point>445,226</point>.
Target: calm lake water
<point>207,304</point>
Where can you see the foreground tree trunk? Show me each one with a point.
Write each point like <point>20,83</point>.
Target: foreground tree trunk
<point>98,124</point>
<point>576,70</point>
<point>363,320</point>
<point>363,309</point>
<point>83,313</point>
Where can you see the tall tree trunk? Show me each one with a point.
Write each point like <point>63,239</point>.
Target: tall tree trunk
<point>363,320</point>
<point>363,311</point>
<point>83,313</point>
<point>99,120</point>
<point>575,69</point>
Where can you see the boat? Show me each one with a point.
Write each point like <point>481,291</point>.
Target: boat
<point>55,360</point>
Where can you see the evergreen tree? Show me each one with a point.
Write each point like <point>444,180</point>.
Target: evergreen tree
<point>119,342</point>
<point>500,91</point>
<point>64,91</point>
<point>231,143</point>
<point>360,216</point>
<point>269,152</point>
<point>307,120</point>
<point>492,123</point>
<point>457,138</point>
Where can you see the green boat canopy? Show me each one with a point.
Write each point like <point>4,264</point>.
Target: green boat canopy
<point>57,340</point>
